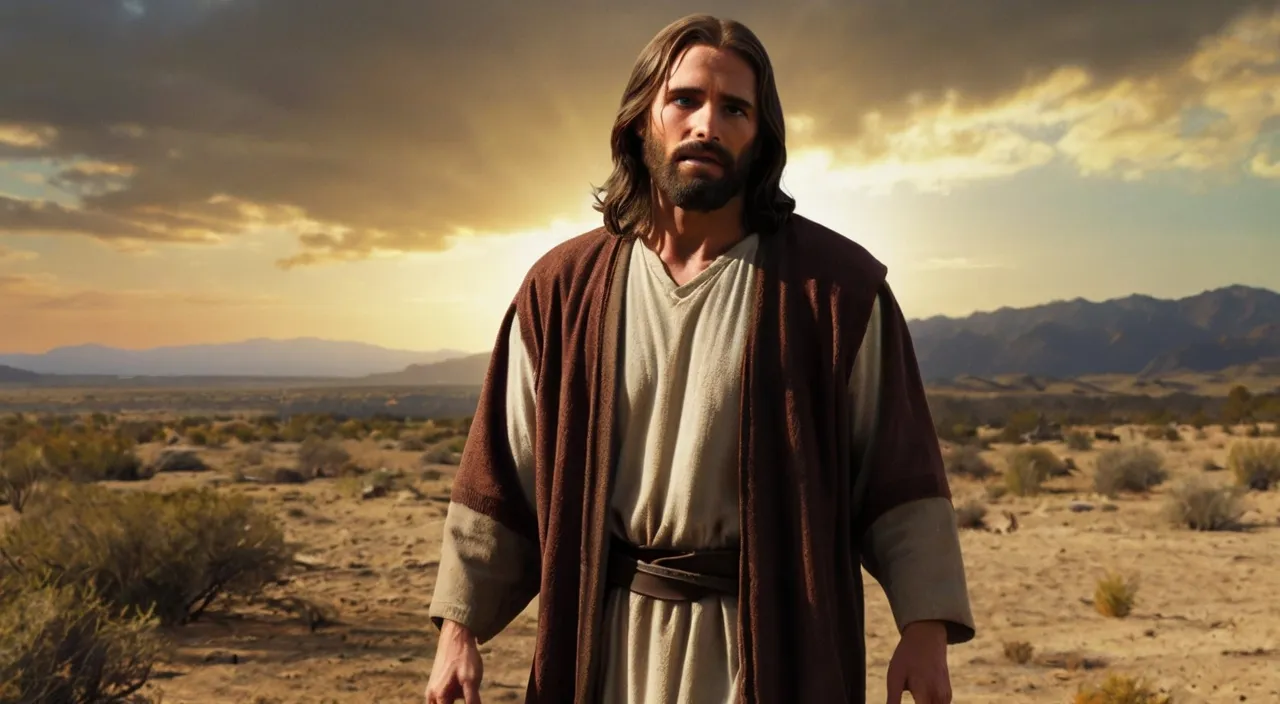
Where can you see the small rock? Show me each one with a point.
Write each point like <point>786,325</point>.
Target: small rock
<point>1080,507</point>
<point>373,491</point>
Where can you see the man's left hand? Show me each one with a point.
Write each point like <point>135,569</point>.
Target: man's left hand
<point>919,665</point>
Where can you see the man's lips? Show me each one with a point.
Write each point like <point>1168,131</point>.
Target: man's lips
<point>701,159</point>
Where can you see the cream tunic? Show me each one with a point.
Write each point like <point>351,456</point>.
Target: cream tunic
<point>676,487</point>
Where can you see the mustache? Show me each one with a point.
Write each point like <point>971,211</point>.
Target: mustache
<point>703,150</point>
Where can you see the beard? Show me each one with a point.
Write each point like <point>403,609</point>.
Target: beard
<point>699,192</point>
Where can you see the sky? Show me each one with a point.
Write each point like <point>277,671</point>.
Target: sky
<point>194,171</point>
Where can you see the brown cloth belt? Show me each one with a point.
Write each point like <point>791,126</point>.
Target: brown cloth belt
<point>673,575</point>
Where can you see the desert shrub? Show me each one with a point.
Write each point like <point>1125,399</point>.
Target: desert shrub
<point>440,454</point>
<point>141,431</point>
<point>22,468</point>
<point>321,458</point>
<point>1078,440</point>
<point>1019,651</point>
<point>1114,595</point>
<point>1162,432</point>
<point>200,437</point>
<point>1119,689</point>
<point>87,456</point>
<point>967,461</point>
<point>1198,506</point>
<point>1255,463</point>
<point>179,461</point>
<point>971,515</point>
<point>432,433</point>
<point>1131,469</point>
<point>1050,464</point>
<point>1029,467</point>
<point>240,430</point>
<point>253,456</point>
<point>62,644</point>
<point>173,553</point>
<point>412,443</point>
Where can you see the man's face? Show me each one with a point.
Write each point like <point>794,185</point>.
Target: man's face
<point>702,129</point>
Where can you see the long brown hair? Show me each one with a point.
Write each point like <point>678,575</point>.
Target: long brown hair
<point>626,198</point>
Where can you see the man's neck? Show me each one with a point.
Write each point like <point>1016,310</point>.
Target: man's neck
<point>687,239</point>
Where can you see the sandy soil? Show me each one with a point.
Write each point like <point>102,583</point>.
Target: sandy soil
<point>1206,626</point>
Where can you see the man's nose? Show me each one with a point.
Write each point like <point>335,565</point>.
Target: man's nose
<point>706,121</point>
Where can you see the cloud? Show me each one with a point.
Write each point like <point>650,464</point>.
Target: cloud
<point>370,128</point>
<point>8,254</point>
<point>45,292</point>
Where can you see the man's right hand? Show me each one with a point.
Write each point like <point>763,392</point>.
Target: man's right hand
<point>457,670</point>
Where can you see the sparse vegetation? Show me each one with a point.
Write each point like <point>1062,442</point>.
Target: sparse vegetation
<point>1199,506</point>
<point>1114,595</point>
<point>1078,441</point>
<point>1018,651</point>
<point>173,553</point>
<point>22,468</point>
<point>1129,469</point>
<point>321,458</point>
<point>1119,689</point>
<point>1029,467</point>
<point>1255,464</point>
<point>967,461</point>
<point>971,515</point>
<point>62,644</point>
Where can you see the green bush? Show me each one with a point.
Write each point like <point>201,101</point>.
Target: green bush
<point>1131,469</point>
<point>172,554</point>
<point>61,644</point>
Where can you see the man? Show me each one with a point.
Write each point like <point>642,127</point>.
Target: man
<point>699,422</point>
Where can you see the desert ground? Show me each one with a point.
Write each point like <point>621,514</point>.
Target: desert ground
<point>1204,625</point>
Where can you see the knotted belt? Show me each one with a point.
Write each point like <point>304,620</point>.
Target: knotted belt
<point>673,575</point>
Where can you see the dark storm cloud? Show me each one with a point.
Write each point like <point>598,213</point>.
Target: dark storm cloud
<point>390,124</point>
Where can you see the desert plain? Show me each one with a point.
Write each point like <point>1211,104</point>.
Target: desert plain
<point>347,620</point>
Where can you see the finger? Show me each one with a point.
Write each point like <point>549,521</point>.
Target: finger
<point>471,692</point>
<point>895,686</point>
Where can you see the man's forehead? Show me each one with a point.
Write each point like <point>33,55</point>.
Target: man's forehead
<point>700,67</point>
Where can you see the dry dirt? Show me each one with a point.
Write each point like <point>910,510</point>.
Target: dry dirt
<point>1206,625</point>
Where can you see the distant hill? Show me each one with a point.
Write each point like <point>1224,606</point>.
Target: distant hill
<point>301,357</point>
<point>1207,332</point>
<point>10,375</point>
<point>462,371</point>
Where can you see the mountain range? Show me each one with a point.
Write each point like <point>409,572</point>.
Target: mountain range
<point>1206,332</point>
<point>300,357</point>
<point>1137,335</point>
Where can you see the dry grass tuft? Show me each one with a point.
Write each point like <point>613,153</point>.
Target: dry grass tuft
<point>1029,467</point>
<point>1115,595</point>
<point>1018,651</point>
<point>1255,463</point>
<point>971,515</point>
<point>967,461</point>
<point>1199,506</point>
<point>1129,469</point>
<point>1119,689</point>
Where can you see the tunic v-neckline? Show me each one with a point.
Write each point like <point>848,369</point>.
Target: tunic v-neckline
<point>682,292</point>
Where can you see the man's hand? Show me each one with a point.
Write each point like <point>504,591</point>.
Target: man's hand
<point>919,665</point>
<point>458,669</point>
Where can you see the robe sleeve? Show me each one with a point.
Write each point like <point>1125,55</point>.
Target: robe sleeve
<point>909,538</point>
<point>489,560</point>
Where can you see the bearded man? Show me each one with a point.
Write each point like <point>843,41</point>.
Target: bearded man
<point>700,421</point>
